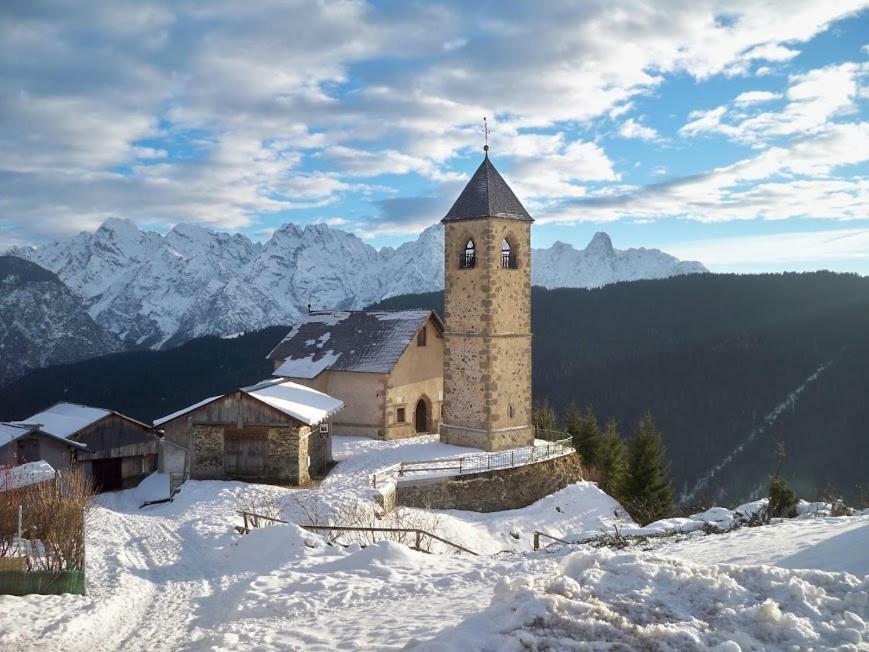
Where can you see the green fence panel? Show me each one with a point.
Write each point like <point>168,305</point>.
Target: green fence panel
<point>41,582</point>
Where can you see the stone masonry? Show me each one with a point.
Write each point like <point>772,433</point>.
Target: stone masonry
<point>489,491</point>
<point>487,349</point>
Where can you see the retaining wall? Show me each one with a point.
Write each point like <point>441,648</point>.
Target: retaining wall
<point>491,491</point>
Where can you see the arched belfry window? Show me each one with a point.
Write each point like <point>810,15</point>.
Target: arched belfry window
<point>508,255</point>
<point>469,257</point>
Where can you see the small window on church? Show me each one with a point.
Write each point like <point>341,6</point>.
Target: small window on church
<point>469,259</point>
<point>399,415</point>
<point>420,337</point>
<point>508,256</point>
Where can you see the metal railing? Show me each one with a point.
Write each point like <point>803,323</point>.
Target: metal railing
<point>469,259</point>
<point>478,463</point>
<point>508,260</point>
<point>252,519</point>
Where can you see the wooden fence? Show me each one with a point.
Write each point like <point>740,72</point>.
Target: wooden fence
<point>251,519</point>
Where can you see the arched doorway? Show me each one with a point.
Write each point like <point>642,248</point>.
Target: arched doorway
<point>420,417</point>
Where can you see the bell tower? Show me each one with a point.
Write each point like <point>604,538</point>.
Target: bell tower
<point>487,316</point>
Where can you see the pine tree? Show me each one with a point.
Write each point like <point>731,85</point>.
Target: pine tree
<point>543,415</point>
<point>611,460</point>
<point>647,494</point>
<point>585,432</point>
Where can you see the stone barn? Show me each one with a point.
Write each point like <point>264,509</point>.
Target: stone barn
<point>116,450</point>
<point>275,431</point>
<point>386,366</point>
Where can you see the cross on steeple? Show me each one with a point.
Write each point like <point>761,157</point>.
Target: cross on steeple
<point>486,135</point>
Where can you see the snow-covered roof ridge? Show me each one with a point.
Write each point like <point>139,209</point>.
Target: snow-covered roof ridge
<point>358,340</point>
<point>12,430</point>
<point>297,401</point>
<point>66,419</point>
<point>183,411</point>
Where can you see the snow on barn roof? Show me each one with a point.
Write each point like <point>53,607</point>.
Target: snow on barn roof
<point>302,403</point>
<point>189,408</point>
<point>27,474</point>
<point>10,431</point>
<point>66,419</point>
<point>368,341</point>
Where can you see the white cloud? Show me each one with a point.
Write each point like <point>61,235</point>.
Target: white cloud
<point>756,97</point>
<point>163,111</point>
<point>797,180</point>
<point>814,99</point>
<point>632,129</point>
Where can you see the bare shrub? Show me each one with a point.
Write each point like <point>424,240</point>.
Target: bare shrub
<point>260,503</point>
<point>56,512</point>
<point>402,522</point>
<point>9,503</point>
<point>593,473</point>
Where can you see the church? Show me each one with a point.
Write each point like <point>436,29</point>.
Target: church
<point>487,316</point>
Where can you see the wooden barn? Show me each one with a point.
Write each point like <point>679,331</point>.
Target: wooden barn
<point>387,366</point>
<point>116,450</point>
<point>275,431</point>
<point>22,443</point>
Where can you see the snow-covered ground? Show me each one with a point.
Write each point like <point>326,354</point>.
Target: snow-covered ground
<point>176,576</point>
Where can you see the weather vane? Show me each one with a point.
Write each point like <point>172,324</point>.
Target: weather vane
<point>486,135</point>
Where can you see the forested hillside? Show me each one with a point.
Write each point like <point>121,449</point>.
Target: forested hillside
<point>728,366</point>
<point>147,384</point>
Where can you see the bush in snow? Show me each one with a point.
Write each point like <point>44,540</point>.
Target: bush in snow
<point>53,512</point>
<point>782,499</point>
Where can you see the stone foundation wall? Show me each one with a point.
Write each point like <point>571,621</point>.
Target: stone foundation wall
<point>491,491</point>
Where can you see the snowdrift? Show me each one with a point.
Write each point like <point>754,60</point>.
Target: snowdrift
<point>655,602</point>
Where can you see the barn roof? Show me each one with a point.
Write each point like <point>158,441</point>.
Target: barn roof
<point>487,195</point>
<point>297,401</point>
<point>303,403</point>
<point>189,408</point>
<point>10,431</point>
<point>368,341</point>
<point>66,420</point>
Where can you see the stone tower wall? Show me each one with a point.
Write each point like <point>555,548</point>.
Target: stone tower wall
<point>487,351</point>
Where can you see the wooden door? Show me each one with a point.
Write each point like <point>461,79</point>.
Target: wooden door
<point>244,451</point>
<point>421,416</point>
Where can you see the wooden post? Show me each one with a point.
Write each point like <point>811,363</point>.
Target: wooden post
<point>537,541</point>
<point>418,540</point>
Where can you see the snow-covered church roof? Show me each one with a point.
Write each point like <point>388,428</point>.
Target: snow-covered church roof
<point>369,341</point>
<point>297,401</point>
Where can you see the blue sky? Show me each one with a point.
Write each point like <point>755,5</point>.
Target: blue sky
<point>732,133</point>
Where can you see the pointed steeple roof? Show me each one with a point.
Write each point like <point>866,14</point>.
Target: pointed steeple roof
<point>487,195</point>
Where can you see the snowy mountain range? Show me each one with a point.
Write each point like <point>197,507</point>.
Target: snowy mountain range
<point>160,290</point>
<point>42,322</point>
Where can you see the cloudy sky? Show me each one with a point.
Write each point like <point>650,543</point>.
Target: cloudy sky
<point>736,133</point>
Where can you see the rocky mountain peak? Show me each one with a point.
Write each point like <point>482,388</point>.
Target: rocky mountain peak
<point>156,290</point>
